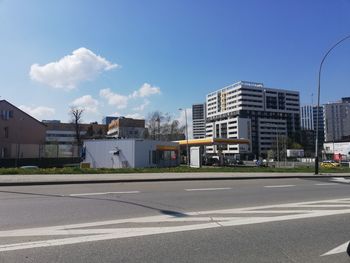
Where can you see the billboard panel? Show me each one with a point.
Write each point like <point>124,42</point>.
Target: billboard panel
<point>295,153</point>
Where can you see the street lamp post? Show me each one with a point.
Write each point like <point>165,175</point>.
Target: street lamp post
<point>285,151</point>
<point>318,99</point>
<point>158,129</point>
<point>187,147</point>
<point>278,150</point>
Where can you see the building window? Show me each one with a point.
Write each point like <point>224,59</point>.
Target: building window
<point>5,115</point>
<point>6,132</point>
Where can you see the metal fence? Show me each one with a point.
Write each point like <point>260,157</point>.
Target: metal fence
<point>24,151</point>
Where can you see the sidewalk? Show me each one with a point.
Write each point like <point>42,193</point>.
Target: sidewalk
<point>50,179</point>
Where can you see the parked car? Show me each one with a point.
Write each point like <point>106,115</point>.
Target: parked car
<point>210,161</point>
<point>329,164</point>
<point>261,163</point>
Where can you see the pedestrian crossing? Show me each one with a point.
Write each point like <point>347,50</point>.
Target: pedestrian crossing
<point>163,224</point>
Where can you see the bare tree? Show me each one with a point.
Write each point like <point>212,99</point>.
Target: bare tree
<point>153,124</point>
<point>76,118</point>
<point>163,127</point>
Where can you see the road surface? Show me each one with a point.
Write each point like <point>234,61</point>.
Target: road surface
<point>267,220</point>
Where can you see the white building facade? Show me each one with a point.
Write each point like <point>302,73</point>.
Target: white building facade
<point>130,153</point>
<point>232,128</point>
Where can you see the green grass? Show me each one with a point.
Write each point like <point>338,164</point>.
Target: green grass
<point>180,169</point>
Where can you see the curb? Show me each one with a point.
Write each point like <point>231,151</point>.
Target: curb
<point>32,183</point>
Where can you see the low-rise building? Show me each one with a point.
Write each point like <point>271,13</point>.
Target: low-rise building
<point>336,148</point>
<point>127,128</point>
<point>21,135</point>
<point>108,119</point>
<point>64,133</point>
<point>61,139</point>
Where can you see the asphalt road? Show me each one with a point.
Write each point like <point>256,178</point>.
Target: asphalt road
<point>267,220</point>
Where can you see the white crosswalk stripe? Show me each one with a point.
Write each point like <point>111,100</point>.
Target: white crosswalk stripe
<point>341,180</point>
<point>340,249</point>
<point>279,186</point>
<point>152,225</point>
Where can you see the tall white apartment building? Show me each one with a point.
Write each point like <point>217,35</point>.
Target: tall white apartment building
<point>251,111</point>
<point>198,120</point>
<point>337,120</point>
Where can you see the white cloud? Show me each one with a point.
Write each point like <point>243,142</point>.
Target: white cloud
<point>182,120</point>
<point>69,71</point>
<point>116,114</point>
<point>146,90</point>
<point>120,101</point>
<point>142,106</point>
<point>39,113</point>
<point>135,115</point>
<point>86,102</point>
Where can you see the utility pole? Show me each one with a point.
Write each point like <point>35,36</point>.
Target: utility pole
<point>187,146</point>
<point>285,151</point>
<point>318,99</point>
<point>278,149</point>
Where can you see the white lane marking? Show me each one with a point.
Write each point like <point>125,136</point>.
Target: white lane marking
<point>320,205</point>
<point>340,180</point>
<point>326,184</point>
<point>208,189</point>
<point>340,249</point>
<point>192,221</point>
<point>106,193</point>
<point>277,186</point>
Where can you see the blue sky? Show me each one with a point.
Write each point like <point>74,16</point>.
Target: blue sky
<point>133,57</point>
